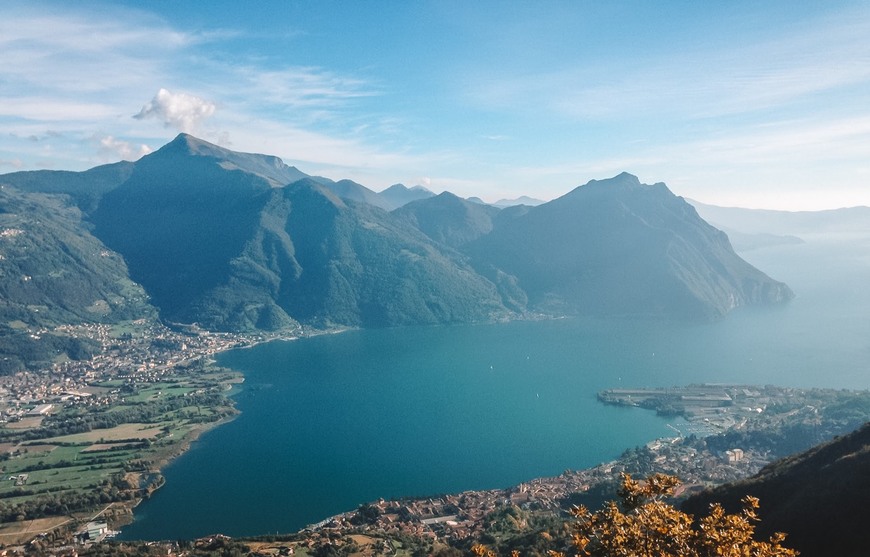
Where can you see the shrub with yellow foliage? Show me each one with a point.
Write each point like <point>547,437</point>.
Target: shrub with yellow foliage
<point>644,525</point>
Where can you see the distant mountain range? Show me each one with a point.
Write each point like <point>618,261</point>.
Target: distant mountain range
<point>398,195</point>
<point>755,228</point>
<point>242,242</point>
<point>759,221</point>
<point>522,200</point>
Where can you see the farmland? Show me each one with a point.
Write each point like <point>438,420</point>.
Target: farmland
<point>104,447</point>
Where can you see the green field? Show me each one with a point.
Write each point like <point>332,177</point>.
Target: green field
<point>109,448</point>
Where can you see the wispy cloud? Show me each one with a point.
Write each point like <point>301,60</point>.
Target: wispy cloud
<point>50,108</point>
<point>68,53</point>
<point>84,75</point>
<point>827,140</point>
<point>113,148</point>
<point>296,87</point>
<point>704,82</point>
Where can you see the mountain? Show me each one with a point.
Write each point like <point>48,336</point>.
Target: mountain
<point>819,497</point>
<point>223,246</point>
<point>746,242</point>
<point>751,229</point>
<point>361,266</point>
<point>348,189</point>
<point>85,188</point>
<point>268,167</point>
<point>242,242</point>
<point>398,195</point>
<point>185,212</point>
<point>449,219</point>
<point>621,247</point>
<point>794,223</point>
<point>522,200</point>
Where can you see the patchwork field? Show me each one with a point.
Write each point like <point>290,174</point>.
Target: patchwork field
<point>13,533</point>
<point>137,431</point>
<point>56,471</point>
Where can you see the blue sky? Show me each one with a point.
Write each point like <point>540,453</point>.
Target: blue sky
<point>754,104</point>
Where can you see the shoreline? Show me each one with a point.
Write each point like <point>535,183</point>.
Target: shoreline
<point>208,360</point>
<point>210,363</point>
<point>454,518</point>
<point>127,507</point>
<point>123,512</point>
<point>147,354</point>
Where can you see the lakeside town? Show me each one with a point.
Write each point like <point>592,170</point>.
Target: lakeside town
<point>748,412</point>
<point>721,433</point>
<point>141,351</point>
<point>82,441</point>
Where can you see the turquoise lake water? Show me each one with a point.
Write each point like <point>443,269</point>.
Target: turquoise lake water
<point>334,421</point>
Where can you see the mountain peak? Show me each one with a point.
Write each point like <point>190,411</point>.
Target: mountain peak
<point>626,176</point>
<point>188,144</point>
<point>522,200</point>
<point>398,195</point>
<point>622,179</point>
<point>269,167</point>
<point>620,184</point>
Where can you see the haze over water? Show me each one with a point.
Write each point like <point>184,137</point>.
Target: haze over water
<point>334,421</point>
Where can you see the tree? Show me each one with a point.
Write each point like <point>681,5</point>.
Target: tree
<point>646,526</point>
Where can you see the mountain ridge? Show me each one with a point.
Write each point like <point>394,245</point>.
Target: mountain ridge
<point>581,252</point>
<point>243,242</point>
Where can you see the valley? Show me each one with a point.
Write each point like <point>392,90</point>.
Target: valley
<point>115,335</point>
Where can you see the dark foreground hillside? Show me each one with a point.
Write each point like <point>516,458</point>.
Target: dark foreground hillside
<point>820,497</point>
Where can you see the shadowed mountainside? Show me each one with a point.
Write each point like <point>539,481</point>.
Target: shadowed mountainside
<point>226,248</point>
<point>449,219</point>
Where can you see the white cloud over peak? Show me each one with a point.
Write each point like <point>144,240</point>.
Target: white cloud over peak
<point>177,110</point>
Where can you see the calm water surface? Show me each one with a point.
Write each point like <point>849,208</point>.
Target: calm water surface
<point>334,421</point>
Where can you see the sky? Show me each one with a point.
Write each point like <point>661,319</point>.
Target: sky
<point>750,104</point>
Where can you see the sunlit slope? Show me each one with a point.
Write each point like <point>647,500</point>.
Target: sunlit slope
<point>53,272</point>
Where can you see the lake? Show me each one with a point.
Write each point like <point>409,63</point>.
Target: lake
<point>334,421</point>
